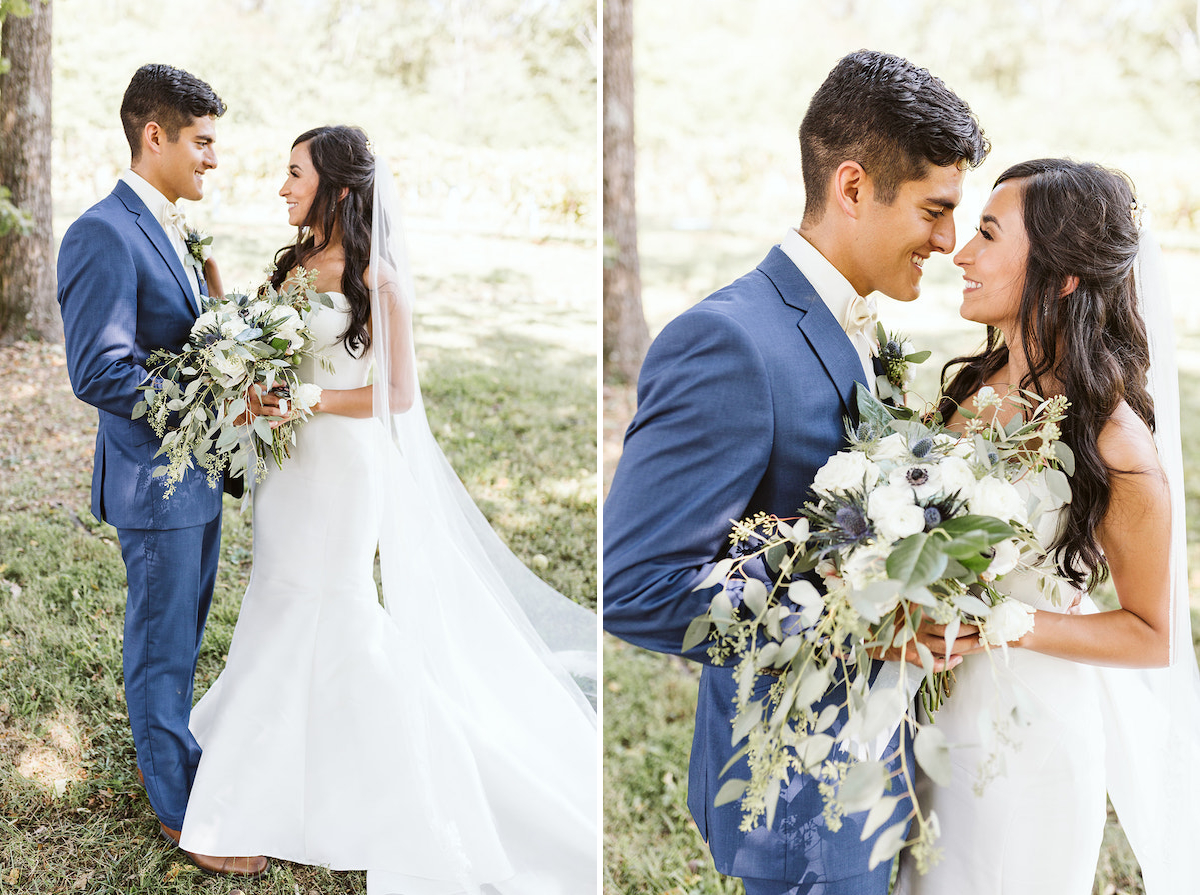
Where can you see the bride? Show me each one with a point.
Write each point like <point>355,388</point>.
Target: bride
<point>445,740</point>
<point>1051,272</point>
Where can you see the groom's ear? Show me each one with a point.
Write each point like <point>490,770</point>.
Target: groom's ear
<point>153,137</point>
<point>850,188</point>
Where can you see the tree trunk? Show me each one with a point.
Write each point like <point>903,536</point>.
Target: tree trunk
<point>27,283</point>
<point>626,336</point>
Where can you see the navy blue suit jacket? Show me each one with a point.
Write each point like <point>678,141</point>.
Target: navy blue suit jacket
<point>741,399</point>
<point>123,293</point>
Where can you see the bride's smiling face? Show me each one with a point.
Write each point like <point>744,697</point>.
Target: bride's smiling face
<point>300,186</point>
<point>994,261</point>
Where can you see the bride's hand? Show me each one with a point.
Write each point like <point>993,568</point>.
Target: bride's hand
<point>934,637</point>
<point>260,402</point>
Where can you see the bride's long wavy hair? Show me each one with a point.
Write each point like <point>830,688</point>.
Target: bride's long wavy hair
<point>1080,222</point>
<point>343,161</point>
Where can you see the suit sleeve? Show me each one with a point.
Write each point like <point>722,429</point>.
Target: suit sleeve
<point>694,455</point>
<point>97,291</point>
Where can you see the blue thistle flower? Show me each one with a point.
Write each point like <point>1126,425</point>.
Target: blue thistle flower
<point>933,518</point>
<point>851,520</point>
<point>922,447</point>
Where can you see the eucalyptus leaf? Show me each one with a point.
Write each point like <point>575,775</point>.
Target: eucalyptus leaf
<point>697,633</point>
<point>734,759</point>
<point>825,719</point>
<point>863,785</point>
<point>813,685</point>
<point>919,357</point>
<point>879,813</point>
<point>884,708</point>
<point>730,791</point>
<point>754,595</point>
<point>1065,457</point>
<point>716,574</point>
<point>749,718</point>
<point>1058,484</point>
<point>765,656</point>
<point>926,656</point>
<point>933,754</point>
<point>814,749</point>
<point>788,650</point>
<point>888,845</point>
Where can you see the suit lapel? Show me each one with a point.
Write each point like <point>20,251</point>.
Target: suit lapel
<point>825,335</point>
<point>158,238</point>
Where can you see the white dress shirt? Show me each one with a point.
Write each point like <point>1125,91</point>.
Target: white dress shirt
<point>160,207</point>
<point>837,293</point>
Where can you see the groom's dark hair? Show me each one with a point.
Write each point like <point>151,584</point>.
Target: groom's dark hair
<point>893,118</point>
<point>170,97</point>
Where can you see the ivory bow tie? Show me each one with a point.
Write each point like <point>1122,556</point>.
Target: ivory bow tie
<point>174,222</point>
<point>860,317</point>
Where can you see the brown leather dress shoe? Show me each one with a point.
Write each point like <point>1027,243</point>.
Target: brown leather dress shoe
<point>250,868</point>
<point>246,867</point>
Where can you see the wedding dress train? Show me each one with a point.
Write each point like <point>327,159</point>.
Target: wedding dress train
<point>427,744</point>
<point>1024,811</point>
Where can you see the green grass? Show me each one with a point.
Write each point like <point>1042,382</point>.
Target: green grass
<point>509,387</point>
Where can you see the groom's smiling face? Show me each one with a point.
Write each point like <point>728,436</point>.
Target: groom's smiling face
<point>896,238</point>
<point>183,161</point>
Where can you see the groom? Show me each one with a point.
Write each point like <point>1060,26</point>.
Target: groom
<point>742,398</point>
<point>125,290</point>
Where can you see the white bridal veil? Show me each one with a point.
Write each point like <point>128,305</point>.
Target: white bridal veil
<point>512,661</point>
<point>1153,716</point>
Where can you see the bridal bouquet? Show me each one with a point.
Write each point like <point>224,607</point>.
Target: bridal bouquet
<point>195,399</point>
<point>909,523</point>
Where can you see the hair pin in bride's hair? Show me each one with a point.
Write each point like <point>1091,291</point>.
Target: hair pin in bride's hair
<point>1136,212</point>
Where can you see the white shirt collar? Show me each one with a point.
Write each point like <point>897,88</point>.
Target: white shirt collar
<point>835,290</point>
<point>148,193</point>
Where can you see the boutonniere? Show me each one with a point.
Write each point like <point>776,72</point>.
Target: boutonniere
<point>896,355</point>
<point>199,248</point>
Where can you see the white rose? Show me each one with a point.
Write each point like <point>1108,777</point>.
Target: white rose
<point>996,497</point>
<point>1008,621</point>
<point>957,476</point>
<point>306,396</point>
<point>289,329</point>
<point>894,512</point>
<point>231,327</point>
<point>231,370</point>
<point>844,471</point>
<point>207,320</point>
<point>1004,560</point>
<point>864,565</point>
<point>893,447</point>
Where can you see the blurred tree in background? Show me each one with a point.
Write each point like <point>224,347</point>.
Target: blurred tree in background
<point>626,336</point>
<point>27,303</point>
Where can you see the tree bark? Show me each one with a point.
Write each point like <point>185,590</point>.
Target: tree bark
<point>27,283</point>
<point>626,335</point>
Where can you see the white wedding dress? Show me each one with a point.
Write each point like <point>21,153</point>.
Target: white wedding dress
<point>1034,725</point>
<point>440,755</point>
